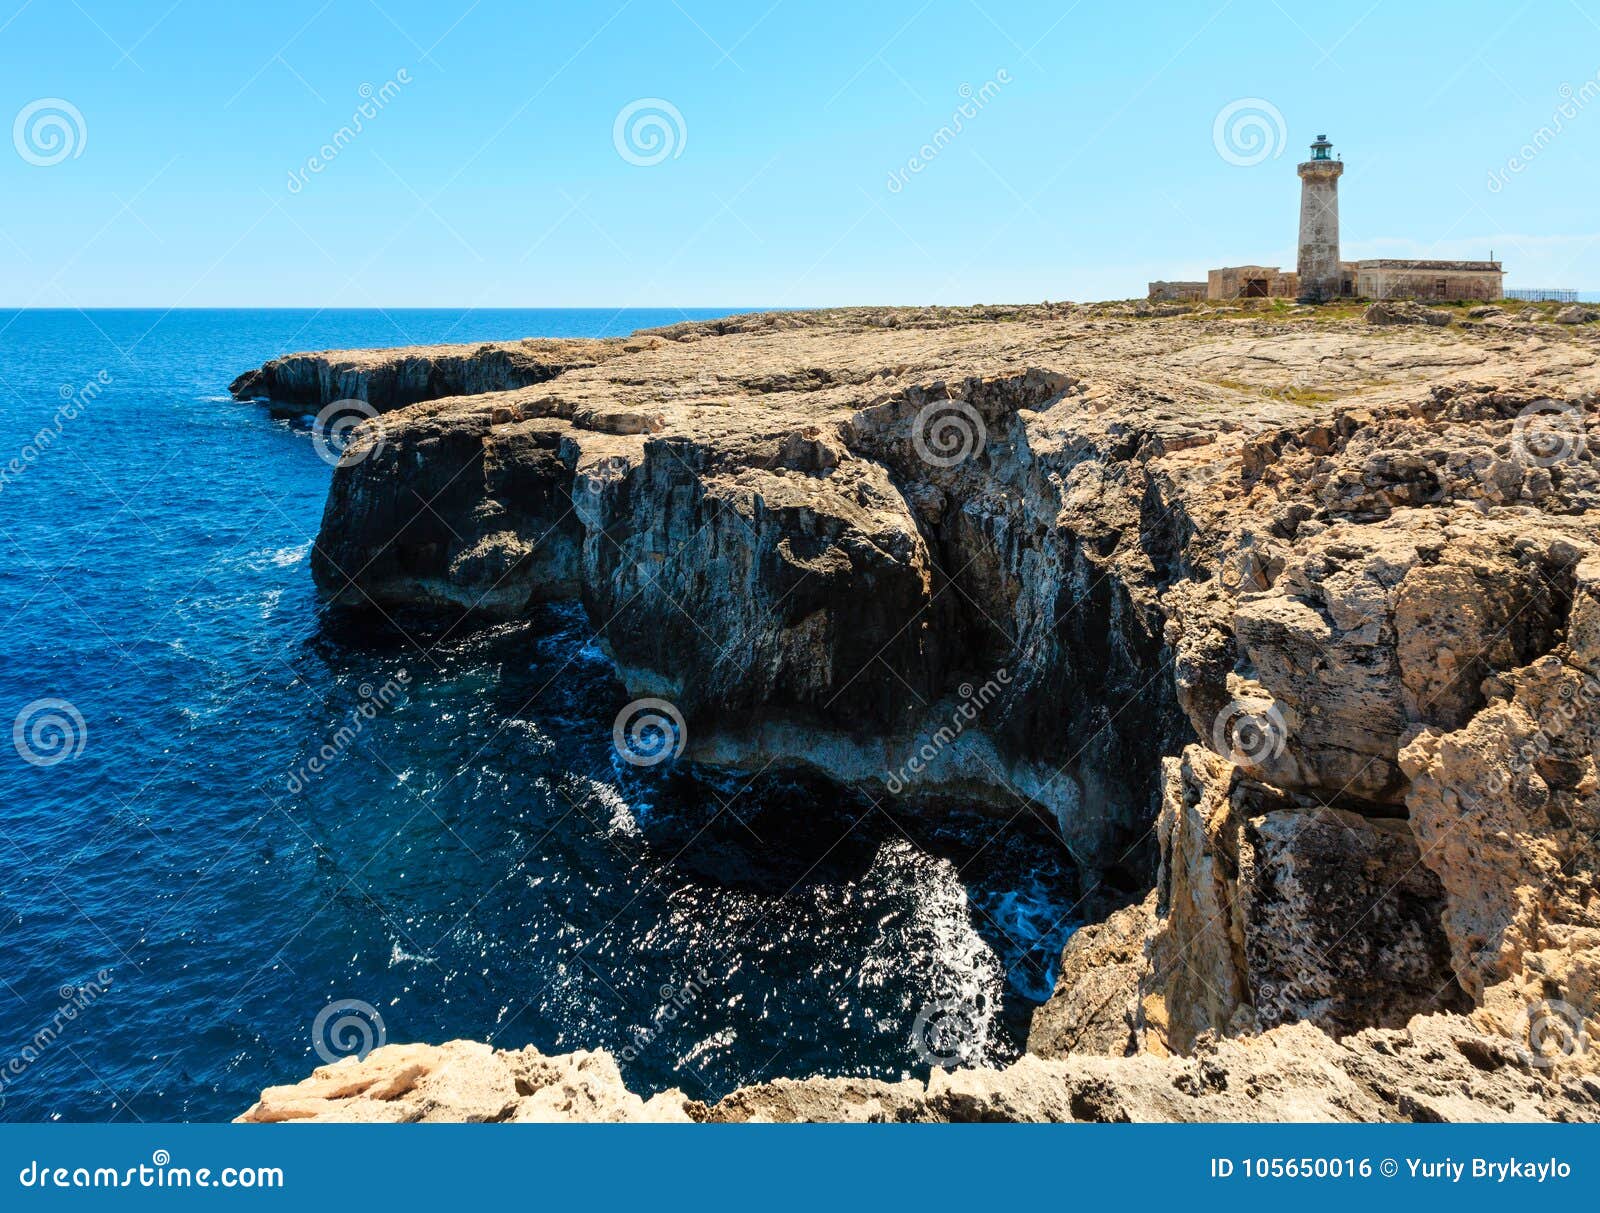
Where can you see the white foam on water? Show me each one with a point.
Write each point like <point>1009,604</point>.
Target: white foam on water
<point>958,965</point>
<point>399,956</point>
<point>620,811</point>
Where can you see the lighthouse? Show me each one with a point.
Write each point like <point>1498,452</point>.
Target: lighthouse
<point>1318,265</point>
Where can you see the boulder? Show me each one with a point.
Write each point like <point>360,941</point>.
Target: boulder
<point>1386,311</point>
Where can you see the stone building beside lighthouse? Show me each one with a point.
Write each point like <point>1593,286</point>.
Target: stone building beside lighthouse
<point>1320,275</point>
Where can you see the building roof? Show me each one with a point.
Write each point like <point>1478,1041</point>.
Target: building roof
<point>1391,263</point>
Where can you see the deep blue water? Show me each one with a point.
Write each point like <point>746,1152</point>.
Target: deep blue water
<point>475,862</point>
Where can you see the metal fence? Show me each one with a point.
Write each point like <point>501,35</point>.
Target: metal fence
<point>1544,295</point>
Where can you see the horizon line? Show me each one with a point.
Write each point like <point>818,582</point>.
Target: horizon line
<point>726,308</point>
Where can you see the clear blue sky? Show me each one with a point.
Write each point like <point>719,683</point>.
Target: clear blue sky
<point>492,178</point>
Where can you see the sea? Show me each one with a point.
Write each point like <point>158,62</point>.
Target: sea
<point>242,835</point>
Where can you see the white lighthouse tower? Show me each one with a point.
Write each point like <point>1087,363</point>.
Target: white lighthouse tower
<point>1318,264</point>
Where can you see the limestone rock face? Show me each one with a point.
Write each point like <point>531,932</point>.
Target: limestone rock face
<point>389,379</point>
<point>1508,805</point>
<point>1296,623</point>
<point>1271,908</point>
<point>1342,922</point>
<point>811,547</point>
<point>811,531</point>
<point>1438,1068</point>
<point>463,516</point>
<point>1195,978</point>
<point>1094,1007</point>
<point>793,589</point>
<point>465,1081</point>
<point>1391,678</point>
<point>1372,630</point>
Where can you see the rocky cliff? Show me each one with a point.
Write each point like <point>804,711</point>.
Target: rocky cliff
<point>1290,616</point>
<point>390,379</point>
<point>1442,1069</point>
